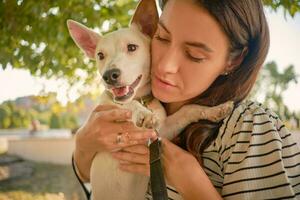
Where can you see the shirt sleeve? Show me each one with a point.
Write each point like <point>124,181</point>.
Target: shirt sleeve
<point>258,157</point>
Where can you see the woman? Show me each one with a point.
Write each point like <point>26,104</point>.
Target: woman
<point>206,52</point>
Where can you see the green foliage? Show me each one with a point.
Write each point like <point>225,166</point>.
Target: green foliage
<point>54,121</point>
<point>5,121</point>
<point>11,116</point>
<point>34,34</point>
<point>21,112</point>
<point>274,83</point>
<point>289,6</point>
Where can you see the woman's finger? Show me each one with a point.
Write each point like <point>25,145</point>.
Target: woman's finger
<point>114,115</point>
<point>104,107</point>
<point>139,149</point>
<point>142,134</point>
<point>136,168</point>
<point>131,157</point>
<point>124,139</point>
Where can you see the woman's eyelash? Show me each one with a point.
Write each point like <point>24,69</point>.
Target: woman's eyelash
<point>198,60</point>
<point>161,39</point>
<point>193,58</point>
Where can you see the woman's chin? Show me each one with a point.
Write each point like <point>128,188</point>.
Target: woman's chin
<point>161,96</point>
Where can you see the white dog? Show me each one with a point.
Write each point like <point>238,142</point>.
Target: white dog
<point>123,60</point>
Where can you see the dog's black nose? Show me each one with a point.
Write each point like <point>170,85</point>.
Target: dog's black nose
<point>111,76</point>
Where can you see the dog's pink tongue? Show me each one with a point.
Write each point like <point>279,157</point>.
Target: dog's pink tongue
<point>122,91</point>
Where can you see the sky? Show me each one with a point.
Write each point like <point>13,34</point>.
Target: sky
<point>284,49</point>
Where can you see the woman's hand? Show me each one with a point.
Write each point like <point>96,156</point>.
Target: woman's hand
<point>177,163</point>
<point>134,159</point>
<point>184,172</point>
<point>102,128</point>
<point>100,133</point>
<point>181,169</point>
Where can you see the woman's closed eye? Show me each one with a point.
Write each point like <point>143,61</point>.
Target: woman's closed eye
<point>162,39</point>
<point>194,58</point>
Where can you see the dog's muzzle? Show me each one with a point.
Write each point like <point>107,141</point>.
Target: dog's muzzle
<point>111,77</point>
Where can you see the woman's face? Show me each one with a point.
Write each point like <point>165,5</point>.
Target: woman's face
<point>189,51</point>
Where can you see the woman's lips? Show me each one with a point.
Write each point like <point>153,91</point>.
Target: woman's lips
<point>164,83</point>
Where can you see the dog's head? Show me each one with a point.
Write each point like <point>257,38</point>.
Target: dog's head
<point>123,56</point>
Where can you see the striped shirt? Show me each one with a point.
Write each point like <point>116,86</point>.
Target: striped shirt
<point>253,157</point>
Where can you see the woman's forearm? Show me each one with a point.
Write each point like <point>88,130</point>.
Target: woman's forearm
<point>83,162</point>
<point>83,159</point>
<point>198,186</point>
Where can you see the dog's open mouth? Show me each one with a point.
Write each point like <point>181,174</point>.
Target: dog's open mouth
<point>124,92</point>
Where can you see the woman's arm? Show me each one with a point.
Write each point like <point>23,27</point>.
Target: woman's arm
<point>183,171</point>
<point>83,161</point>
<point>99,134</point>
<point>198,186</point>
<point>256,156</point>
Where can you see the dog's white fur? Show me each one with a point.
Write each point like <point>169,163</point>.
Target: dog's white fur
<point>107,181</point>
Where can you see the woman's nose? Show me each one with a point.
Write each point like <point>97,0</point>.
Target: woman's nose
<point>169,61</point>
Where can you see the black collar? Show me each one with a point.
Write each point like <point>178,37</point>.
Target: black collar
<point>145,100</point>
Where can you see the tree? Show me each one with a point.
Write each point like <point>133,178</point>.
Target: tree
<point>5,113</point>
<point>22,111</point>
<point>274,83</point>
<point>34,35</point>
<point>290,7</point>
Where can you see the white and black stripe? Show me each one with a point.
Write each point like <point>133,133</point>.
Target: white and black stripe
<point>253,157</point>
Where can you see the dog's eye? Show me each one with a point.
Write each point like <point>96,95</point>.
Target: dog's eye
<point>132,47</point>
<point>100,56</point>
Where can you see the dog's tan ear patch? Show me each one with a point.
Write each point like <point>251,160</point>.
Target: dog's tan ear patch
<point>85,38</point>
<point>146,17</point>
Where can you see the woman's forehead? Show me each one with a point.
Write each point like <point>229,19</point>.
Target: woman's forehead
<point>186,12</point>
<point>187,20</point>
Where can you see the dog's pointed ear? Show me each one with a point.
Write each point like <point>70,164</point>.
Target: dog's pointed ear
<point>85,38</point>
<point>146,17</point>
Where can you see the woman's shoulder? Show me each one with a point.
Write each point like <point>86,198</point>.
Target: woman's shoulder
<point>248,112</point>
<point>253,145</point>
<point>249,119</point>
<point>247,115</point>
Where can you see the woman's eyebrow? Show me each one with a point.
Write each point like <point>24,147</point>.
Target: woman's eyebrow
<point>199,45</point>
<point>193,44</point>
<point>163,26</point>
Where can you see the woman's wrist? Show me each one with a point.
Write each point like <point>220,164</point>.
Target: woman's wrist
<point>197,186</point>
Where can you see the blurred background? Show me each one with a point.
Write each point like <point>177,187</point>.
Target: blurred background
<point>48,87</point>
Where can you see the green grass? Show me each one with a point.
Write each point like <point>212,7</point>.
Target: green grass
<point>48,182</point>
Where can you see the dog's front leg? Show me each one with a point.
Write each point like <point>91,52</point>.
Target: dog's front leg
<point>141,116</point>
<point>187,114</point>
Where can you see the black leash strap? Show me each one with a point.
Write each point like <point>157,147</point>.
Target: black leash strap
<point>86,191</point>
<point>157,180</point>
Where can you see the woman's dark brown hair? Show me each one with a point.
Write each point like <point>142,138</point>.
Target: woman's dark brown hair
<point>244,23</point>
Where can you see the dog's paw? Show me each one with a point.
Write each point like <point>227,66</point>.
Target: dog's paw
<point>150,121</point>
<point>223,110</point>
<point>146,120</point>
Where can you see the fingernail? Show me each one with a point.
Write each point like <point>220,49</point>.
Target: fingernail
<point>153,134</point>
<point>114,154</point>
<point>128,114</point>
<point>133,142</point>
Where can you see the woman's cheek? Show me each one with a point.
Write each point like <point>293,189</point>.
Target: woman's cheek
<point>158,50</point>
